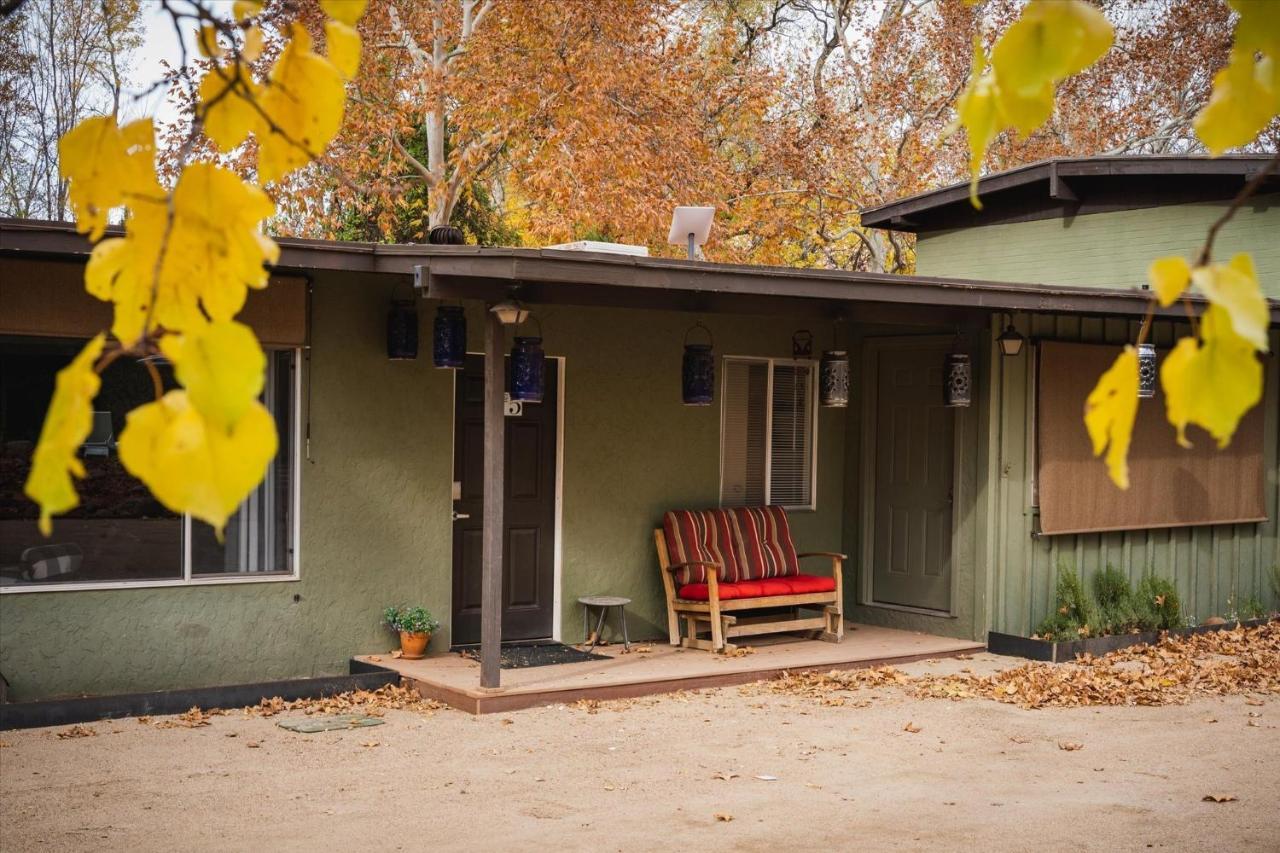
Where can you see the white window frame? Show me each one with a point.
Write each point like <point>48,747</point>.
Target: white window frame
<point>812,366</point>
<point>189,579</point>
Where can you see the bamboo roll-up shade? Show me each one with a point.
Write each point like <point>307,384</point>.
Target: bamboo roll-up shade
<point>47,299</point>
<point>1169,486</point>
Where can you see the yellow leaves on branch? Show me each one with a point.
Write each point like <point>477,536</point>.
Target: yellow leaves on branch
<point>1212,382</point>
<point>1246,94</point>
<point>107,166</point>
<point>1232,286</point>
<point>66,425</point>
<point>1110,412</point>
<point>213,250</point>
<point>1049,42</point>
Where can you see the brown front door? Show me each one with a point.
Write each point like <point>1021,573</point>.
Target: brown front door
<point>528,571</point>
<point>914,463</point>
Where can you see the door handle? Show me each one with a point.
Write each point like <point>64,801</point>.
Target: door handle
<point>458,516</point>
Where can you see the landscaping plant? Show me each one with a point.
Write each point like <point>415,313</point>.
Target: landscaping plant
<point>410,620</point>
<point>1157,605</point>
<point>1114,598</point>
<point>1073,615</point>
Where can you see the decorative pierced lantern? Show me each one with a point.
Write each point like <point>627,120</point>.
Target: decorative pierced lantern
<point>957,380</point>
<point>402,331</point>
<point>449,337</point>
<point>445,235</point>
<point>698,372</point>
<point>528,368</point>
<point>833,379</point>
<point>1146,371</point>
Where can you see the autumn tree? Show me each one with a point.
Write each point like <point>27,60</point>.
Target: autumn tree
<point>60,62</point>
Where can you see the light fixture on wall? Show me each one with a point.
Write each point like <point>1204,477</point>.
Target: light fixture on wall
<point>510,312</point>
<point>528,366</point>
<point>1010,340</point>
<point>1146,371</point>
<point>449,337</point>
<point>957,377</point>
<point>833,375</point>
<point>402,330</point>
<point>698,370</point>
<point>802,344</point>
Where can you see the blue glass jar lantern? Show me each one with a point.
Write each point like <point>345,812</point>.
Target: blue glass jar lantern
<point>449,337</point>
<point>528,368</point>
<point>698,373</point>
<point>402,331</point>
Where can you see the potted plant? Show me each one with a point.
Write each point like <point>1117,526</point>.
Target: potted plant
<point>415,625</point>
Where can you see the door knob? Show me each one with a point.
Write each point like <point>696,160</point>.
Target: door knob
<point>458,516</point>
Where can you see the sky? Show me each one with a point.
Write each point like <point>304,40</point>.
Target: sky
<point>159,45</point>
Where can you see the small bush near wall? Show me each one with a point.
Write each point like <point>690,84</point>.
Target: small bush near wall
<point>1113,607</point>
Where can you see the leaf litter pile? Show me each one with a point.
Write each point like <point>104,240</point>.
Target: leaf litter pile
<point>369,703</point>
<point>1171,672</point>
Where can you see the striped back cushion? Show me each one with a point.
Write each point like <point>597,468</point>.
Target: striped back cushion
<point>765,549</point>
<point>706,534</point>
<point>52,562</point>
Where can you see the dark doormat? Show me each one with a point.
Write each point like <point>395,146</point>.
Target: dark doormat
<point>536,654</point>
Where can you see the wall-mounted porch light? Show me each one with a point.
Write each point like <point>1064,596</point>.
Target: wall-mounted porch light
<point>698,370</point>
<point>510,312</point>
<point>1010,340</point>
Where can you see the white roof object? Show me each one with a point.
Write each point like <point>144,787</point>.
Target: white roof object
<point>691,220</point>
<point>600,246</point>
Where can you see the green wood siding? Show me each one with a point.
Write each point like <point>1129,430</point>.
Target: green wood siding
<point>1214,567</point>
<point>1103,249</point>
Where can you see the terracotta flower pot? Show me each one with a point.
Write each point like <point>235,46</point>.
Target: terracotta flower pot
<point>413,644</point>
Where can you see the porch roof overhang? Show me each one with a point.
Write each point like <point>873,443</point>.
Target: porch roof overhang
<point>547,276</point>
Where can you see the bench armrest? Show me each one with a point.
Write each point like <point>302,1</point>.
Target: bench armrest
<point>829,554</point>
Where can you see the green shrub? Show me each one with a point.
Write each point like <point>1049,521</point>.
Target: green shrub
<point>1113,596</point>
<point>1073,613</point>
<point>414,620</point>
<point>1157,606</point>
<point>1252,608</point>
<point>1275,583</point>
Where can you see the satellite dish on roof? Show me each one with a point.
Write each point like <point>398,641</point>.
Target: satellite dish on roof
<point>691,226</point>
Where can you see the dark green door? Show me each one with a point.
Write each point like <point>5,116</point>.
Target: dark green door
<point>914,463</point>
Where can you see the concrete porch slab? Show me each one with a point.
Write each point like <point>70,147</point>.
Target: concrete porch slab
<point>455,680</point>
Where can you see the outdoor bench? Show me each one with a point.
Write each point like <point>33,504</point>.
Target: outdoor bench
<point>718,565</point>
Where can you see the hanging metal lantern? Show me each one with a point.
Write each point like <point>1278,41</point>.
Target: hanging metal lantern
<point>528,368</point>
<point>957,380</point>
<point>449,337</point>
<point>402,331</point>
<point>698,372</point>
<point>833,379</point>
<point>802,344</point>
<point>1146,371</point>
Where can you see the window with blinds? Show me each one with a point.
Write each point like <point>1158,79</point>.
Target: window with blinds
<point>767,433</point>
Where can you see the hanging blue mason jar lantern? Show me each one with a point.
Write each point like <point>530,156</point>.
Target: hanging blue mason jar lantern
<point>528,368</point>
<point>402,331</point>
<point>449,337</point>
<point>698,373</point>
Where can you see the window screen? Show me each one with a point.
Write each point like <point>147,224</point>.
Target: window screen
<point>767,438</point>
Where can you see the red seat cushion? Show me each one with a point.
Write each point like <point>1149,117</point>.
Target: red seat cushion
<point>792,585</point>
<point>765,549</point>
<point>709,535</point>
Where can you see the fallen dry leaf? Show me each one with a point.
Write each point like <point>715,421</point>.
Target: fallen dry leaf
<point>77,731</point>
<point>765,777</point>
<point>1218,798</point>
<point>723,817</point>
<point>1070,745</point>
<point>253,744</point>
<point>1254,702</point>
<point>370,743</point>
<point>375,658</point>
<point>397,653</point>
<point>724,776</point>
<point>911,727</point>
<point>1019,739</point>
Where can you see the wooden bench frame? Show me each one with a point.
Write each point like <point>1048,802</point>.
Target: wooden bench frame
<point>713,612</point>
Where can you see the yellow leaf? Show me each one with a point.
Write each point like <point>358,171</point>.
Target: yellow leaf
<point>252,47</point>
<point>242,9</point>
<point>105,165</point>
<point>1110,411</point>
<point>207,41</point>
<point>1169,278</point>
<point>343,43</point>
<point>1212,384</point>
<point>228,114</point>
<point>346,11</point>
<point>1234,287</point>
<point>1051,40</point>
<point>66,425</point>
<point>304,96</point>
<point>222,367</point>
<point>1246,96</point>
<point>193,466</point>
<point>978,111</point>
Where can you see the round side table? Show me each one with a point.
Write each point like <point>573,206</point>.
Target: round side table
<point>604,602</point>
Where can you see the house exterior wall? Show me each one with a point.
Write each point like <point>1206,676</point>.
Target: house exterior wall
<point>1214,568</point>
<point>375,513</point>
<point>1103,249</point>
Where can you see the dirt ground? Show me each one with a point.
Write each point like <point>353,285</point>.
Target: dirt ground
<point>735,768</point>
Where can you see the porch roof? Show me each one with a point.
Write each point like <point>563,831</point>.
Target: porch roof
<point>542,276</point>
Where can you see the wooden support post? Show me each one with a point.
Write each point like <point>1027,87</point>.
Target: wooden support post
<point>495,383</point>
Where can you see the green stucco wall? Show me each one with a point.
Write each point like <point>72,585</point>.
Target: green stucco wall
<point>375,509</point>
<point>1215,568</point>
<point>1103,249</point>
